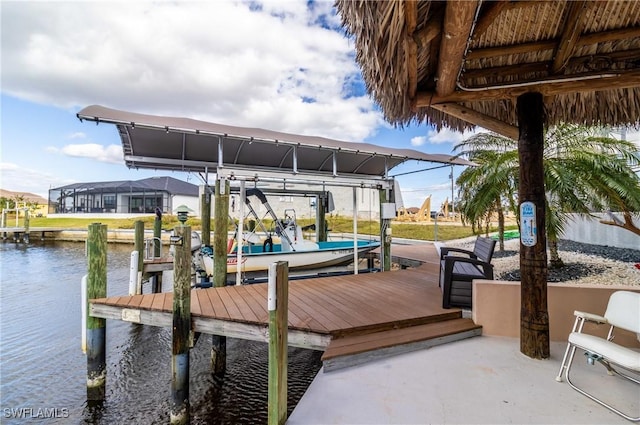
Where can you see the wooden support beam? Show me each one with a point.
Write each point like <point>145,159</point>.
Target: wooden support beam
<point>411,47</point>
<point>490,11</point>
<point>251,332</point>
<point>574,23</point>
<point>426,34</point>
<point>458,19</point>
<point>587,82</point>
<point>612,60</point>
<point>479,119</point>
<point>536,46</point>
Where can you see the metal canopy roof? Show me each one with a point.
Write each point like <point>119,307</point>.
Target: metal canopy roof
<point>183,144</point>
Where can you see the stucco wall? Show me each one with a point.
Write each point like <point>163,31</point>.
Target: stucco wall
<point>590,230</point>
<point>496,307</point>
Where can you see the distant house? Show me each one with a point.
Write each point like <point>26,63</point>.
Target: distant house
<point>124,197</point>
<point>37,204</point>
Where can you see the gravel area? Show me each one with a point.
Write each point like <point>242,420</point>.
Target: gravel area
<point>584,263</point>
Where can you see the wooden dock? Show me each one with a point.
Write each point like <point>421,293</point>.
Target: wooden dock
<point>341,315</point>
<point>16,231</point>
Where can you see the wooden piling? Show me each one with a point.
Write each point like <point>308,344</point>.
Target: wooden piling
<point>220,236</point>
<point>321,219</point>
<point>25,237</point>
<point>181,334</point>
<point>156,286</point>
<point>139,246</point>
<point>96,288</point>
<point>278,306</point>
<point>205,217</point>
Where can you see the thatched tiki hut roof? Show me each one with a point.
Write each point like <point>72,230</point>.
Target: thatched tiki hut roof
<point>510,67</point>
<point>463,63</point>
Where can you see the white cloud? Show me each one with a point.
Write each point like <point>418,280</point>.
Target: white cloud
<point>447,135</point>
<point>77,135</point>
<point>273,64</point>
<point>110,154</point>
<point>23,179</point>
<point>418,140</point>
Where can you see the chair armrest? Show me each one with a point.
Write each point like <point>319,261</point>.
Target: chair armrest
<point>590,317</point>
<point>487,268</point>
<point>444,251</point>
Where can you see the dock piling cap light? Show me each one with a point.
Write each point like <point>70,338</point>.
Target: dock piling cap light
<point>182,211</point>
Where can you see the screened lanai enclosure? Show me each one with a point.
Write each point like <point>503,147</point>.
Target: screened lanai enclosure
<point>124,197</point>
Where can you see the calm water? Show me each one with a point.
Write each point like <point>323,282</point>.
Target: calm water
<point>43,370</point>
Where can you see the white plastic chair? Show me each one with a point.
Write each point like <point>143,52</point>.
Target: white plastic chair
<point>623,311</point>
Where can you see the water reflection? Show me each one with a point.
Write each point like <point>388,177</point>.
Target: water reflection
<point>43,367</point>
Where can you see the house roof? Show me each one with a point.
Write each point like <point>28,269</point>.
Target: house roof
<point>185,144</point>
<point>167,184</point>
<point>462,63</point>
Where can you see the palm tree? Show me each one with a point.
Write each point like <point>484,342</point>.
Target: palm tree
<point>583,172</point>
<point>490,187</point>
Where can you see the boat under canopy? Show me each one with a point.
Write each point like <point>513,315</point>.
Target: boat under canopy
<point>262,157</point>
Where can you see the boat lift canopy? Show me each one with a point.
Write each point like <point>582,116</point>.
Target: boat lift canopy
<point>183,144</point>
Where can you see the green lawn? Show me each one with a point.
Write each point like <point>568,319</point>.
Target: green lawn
<point>335,224</point>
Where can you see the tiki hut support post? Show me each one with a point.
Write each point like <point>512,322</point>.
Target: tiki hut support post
<point>534,316</point>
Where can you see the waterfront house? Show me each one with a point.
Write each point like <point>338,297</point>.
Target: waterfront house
<point>124,197</point>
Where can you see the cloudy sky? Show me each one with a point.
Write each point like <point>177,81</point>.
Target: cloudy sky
<point>282,65</point>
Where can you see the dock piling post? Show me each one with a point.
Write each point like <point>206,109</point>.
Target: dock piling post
<point>139,246</point>
<point>96,327</point>
<point>25,237</point>
<point>278,306</point>
<point>205,216</point>
<point>156,286</point>
<point>220,234</point>
<point>181,327</point>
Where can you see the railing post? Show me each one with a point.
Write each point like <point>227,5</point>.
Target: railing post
<point>278,306</point>
<point>96,288</point>
<point>181,334</point>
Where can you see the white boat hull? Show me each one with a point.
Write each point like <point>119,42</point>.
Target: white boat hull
<point>298,260</point>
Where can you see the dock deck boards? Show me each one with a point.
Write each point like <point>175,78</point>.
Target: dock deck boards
<point>395,306</point>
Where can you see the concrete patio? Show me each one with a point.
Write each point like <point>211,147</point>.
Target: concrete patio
<point>482,380</point>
